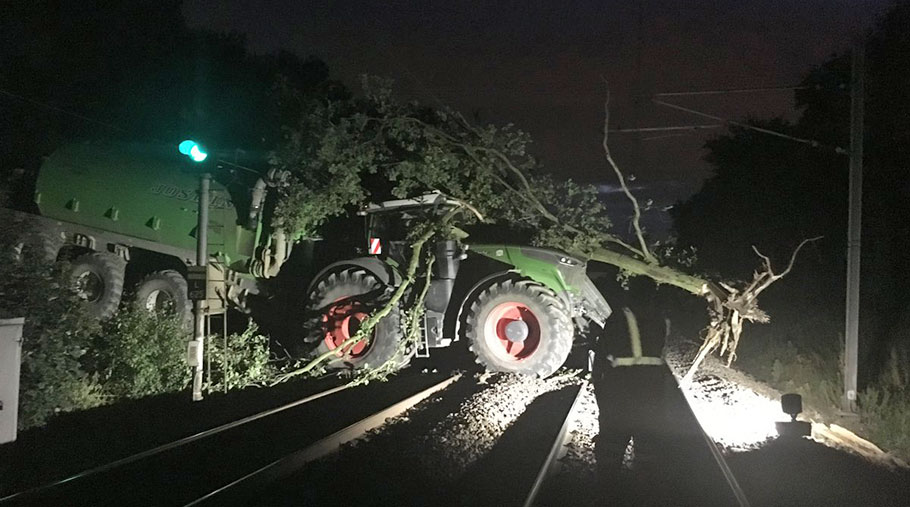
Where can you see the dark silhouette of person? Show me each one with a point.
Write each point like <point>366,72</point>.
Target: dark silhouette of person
<point>630,388</point>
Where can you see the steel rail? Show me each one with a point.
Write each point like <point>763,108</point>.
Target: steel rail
<point>735,488</point>
<point>289,464</point>
<point>557,451</point>
<point>175,444</point>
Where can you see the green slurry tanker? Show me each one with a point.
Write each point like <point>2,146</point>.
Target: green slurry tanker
<point>132,210</point>
<point>129,213</point>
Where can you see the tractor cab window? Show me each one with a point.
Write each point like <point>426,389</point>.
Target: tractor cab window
<point>391,229</point>
<point>390,226</point>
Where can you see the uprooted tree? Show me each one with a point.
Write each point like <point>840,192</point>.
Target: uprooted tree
<point>337,147</point>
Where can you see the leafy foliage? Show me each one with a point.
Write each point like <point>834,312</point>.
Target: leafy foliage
<point>140,354</point>
<point>887,413</point>
<point>70,361</point>
<point>342,153</point>
<point>577,209</point>
<point>797,362</point>
<point>885,405</point>
<point>768,192</point>
<point>801,361</point>
<point>57,334</point>
<point>419,236</point>
<point>240,360</point>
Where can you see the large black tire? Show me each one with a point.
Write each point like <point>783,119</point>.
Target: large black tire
<point>42,246</point>
<point>98,279</point>
<point>165,291</point>
<point>544,331</point>
<point>337,305</point>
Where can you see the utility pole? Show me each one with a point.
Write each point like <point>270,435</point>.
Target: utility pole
<point>854,228</point>
<point>197,346</point>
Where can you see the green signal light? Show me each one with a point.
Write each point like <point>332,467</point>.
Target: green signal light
<point>193,150</point>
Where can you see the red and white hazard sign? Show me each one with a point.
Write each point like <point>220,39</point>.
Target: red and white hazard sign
<point>375,246</point>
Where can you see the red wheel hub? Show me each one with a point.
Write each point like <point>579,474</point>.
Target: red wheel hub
<point>497,339</point>
<point>341,321</point>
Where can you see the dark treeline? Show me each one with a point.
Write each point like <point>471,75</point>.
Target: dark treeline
<point>771,193</point>
<point>134,72</point>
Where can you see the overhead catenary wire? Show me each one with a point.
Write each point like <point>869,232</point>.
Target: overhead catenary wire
<point>689,93</point>
<point>810,142</point>
<point>665,129</point>
<point>44,105</point>
<point>731,91</point>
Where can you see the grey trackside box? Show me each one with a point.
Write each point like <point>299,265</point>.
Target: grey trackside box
<point>10,356</point>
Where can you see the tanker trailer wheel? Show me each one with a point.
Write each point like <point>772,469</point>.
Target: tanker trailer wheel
<point>520,326</point>
<point>98,279</point>
<point>340,303</point>
<point>165,291</point>
<point>41,246</point>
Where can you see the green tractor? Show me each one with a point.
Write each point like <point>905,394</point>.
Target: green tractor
<point>521,308</point>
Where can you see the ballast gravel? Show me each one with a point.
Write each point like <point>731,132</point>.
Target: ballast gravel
<point>467,434</point>
<point>430,448</point>
<point>579,458</point>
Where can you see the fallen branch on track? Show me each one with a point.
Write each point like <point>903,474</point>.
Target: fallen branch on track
<point>364,333</point>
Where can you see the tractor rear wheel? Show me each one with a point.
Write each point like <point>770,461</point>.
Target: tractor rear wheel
<point>98,279</point>
<point>520,326</point>
<point>165,291</point>
<point>340,303</point>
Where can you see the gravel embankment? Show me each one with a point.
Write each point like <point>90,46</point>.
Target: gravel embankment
<point>420,457</point>
<point>737,411</point>
<point>470,432</point>
<point>450,449</point>
<point>579,458</point>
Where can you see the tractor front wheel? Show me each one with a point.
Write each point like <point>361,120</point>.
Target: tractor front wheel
<point>520,327</point>
<point>339,304</point>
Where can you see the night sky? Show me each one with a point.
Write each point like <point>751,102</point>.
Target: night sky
<point>540,64</point>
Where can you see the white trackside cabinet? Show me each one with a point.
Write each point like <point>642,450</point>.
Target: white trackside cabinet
<point>10,357</point>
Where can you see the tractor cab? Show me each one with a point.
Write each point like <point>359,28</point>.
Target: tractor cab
<point>390,223</point>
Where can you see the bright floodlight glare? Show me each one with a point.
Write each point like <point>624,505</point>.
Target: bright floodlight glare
<point>739,419</point>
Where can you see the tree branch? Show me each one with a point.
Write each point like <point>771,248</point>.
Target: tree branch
<point>367,326</point>
<point>729,314</point>
<point>658,273</point>
<point>636,218</point>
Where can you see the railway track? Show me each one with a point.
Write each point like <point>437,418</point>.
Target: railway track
<point>134,458</point>
<point>249,484</point>
<point>190,468</point>
<point>399,465</point>
<point>516,466</point>
<point>688,468</point>
<point>403,466</point>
